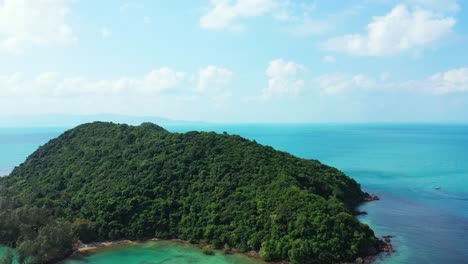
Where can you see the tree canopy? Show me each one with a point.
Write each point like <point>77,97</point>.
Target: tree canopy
<point>103,181</point>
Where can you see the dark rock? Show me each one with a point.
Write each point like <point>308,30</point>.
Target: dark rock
<point>371,197</point>
<point>360,213</point>
<point>385,245</point>
<point>365,260</point>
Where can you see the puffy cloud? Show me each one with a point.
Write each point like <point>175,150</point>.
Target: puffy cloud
<point>399,31</point>
<point>305,20</point>
<point>335,83</point>
<point>455,80</point>
<point>54,85</point>
<point>213,78</point>
<point>329,59</point>
<point>299,16</point>
<point>162,79</point>
<point>284,78</point>
<point>451,81</point>
<point>212,83</point>
<point>26,23</point>
<point>223,13</point>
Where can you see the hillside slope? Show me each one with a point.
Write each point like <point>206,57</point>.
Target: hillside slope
<point>117,181</point>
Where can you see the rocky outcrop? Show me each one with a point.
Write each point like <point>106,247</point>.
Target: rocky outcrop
<point>356,213</point>
<point>366,260</point>
<point>386,244</point>
<point>370,197</point>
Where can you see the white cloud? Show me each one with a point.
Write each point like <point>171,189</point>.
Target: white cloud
<point>300,17</point>
<point>329,59</point>
<point>213,78</point>
<point>130,5</point>
<point>212,84</point>
<point>451,81</point>
<point>106,33</point>
<point>52,84</point>
<point>455,80</point>
<point>147,20</point>
<point>25,23</point>
<point>223,13</point>
<point>305,20</point>
<point>336,83</point>
<point>284,78</point>
<point>163,79</point>
<point>399,31</point>
<point>437,5</point>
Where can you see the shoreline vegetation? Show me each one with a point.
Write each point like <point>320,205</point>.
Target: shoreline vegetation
<point>108,182</point>
<point>83,249</point>
<point>95,247</point>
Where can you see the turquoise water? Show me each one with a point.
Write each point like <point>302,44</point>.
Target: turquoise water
<point>3,251</point>
<point>161,252</point>
<point>419,171</point>
<point>17,143</point>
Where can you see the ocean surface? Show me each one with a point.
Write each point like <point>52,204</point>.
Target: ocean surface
<point>420,172</point>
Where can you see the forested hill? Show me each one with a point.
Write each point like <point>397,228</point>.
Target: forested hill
<point>110,181</point>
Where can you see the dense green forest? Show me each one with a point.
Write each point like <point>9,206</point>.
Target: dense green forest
<point>102,181</point>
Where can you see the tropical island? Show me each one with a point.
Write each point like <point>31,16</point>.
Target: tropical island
<point>103,181</point>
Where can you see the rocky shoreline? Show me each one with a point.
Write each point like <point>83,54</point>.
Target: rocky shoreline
<point>387,244</point>
<point>384,244</point>
<point>367,198</point>
<point>370,197</point>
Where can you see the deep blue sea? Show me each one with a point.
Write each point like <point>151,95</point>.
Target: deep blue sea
<point>419,171</point>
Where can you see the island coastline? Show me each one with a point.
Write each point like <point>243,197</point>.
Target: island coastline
<point>83,249</point>
<point>304,189</point>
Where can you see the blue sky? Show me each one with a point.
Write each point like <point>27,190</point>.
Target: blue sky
<point>237,60</point>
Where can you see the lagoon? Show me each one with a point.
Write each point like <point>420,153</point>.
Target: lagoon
<point>159,252</point>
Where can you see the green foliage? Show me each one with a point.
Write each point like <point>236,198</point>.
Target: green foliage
<point>53,241</point>
<point>85,230</point>
<point>118,181</point>
<point>38,237</point>
<point>208,251</point>
<point>227,249</point>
